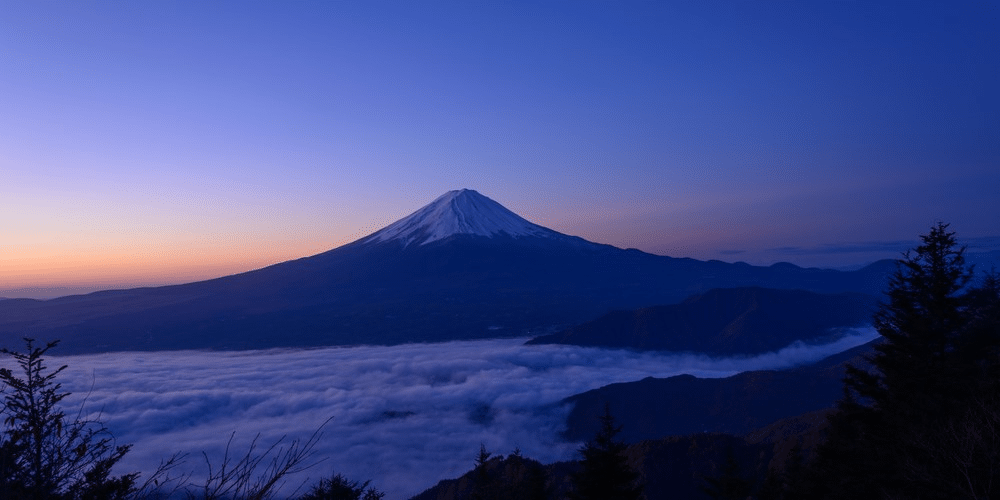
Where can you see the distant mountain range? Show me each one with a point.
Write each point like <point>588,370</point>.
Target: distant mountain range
<point>653,408</point>
<point>462,267</point>
<point>683,429</point>
<point>725,321</point>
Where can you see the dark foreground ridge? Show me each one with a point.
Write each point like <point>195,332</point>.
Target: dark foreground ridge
<point>654,408</point>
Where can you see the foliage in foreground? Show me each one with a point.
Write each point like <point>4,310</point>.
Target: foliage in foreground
<point>605,473</point>
<point>925,421</point>
<point>48,455</point>
<point>338,487</point>
<point>43,453</point>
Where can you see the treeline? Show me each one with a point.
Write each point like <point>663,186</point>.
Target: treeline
<point>924,421</point>
<point>919,420</point>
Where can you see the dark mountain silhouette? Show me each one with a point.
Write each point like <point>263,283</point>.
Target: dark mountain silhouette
<point>674,461</point>
<point>462,267</point>
<point>674,467</point>
<point>724,321</point>
<point>513,476</point>
<point>653,408</point>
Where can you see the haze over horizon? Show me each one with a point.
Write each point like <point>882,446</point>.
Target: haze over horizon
<point>156,144</point>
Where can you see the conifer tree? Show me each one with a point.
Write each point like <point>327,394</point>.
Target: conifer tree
<point>937,359</point>
<point>923,324</point>
<point>338,487</point>
<point>534,485</point>
<point>605,474</point>
<point>483,487</point>
<point>730,483</point>
<point>45,454</point>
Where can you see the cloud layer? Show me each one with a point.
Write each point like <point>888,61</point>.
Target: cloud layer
<point>404,416</point>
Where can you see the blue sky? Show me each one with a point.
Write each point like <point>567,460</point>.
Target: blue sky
<point>159,142</point>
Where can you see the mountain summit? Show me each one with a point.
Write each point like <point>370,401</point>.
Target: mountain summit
<point>462,267</point>
<point>459,212</point>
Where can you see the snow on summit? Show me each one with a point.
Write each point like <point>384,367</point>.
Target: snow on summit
<point>462,211</point>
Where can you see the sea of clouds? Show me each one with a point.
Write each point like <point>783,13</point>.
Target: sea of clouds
<point>403,416</point>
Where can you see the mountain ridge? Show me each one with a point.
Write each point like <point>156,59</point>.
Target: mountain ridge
<point>748,320</point>
<point>652,408</point>
<point>401,288</point>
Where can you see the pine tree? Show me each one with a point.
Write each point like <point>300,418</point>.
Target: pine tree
<point>605,473</point>
<point>534,486</point>
<point>338,487</point>
<point>939,348</point>
<point>923,324</point>
<point>522,478</point>
<point>730,483</point>
<point>483,487</point>
<point>787,482</point>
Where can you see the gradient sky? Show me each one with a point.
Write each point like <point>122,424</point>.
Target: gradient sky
<point>164,142</point>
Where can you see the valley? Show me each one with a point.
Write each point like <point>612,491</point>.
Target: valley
<point>404,416</point>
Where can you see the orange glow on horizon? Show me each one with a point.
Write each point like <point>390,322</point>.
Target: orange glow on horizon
<point>129,267</point>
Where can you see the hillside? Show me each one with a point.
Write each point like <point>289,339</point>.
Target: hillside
<point>654,408</point>
<point>724,321</point>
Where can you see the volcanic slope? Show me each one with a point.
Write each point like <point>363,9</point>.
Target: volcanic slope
<point>461,267</point>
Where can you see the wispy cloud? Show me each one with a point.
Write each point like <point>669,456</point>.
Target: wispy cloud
<point>897,247</point>
<point>404,416</point>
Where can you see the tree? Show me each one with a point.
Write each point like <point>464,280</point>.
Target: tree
<point>605,473</point>
<point>496,477</point>
<point>730,483</point>
<point>924,325</point>
<point>523,478</point>
<point>937,361</point>
<point>338,487</point>
<point>483,485</point>
<point>45,454</point>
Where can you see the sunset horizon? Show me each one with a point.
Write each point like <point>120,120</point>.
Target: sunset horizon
<point>454,250</point>
<point>90,272</point>
<point>145,144</point>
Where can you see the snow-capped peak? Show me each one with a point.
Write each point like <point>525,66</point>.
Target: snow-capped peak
<point>458,212</point>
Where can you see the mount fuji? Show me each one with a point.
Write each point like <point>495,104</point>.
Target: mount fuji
<point>460,212</point>
<point>462,267</point>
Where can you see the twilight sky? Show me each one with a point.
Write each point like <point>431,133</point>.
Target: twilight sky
<point>164,142</point>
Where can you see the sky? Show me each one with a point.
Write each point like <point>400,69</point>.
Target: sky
<point>404,416</point>
<point>164,142</point>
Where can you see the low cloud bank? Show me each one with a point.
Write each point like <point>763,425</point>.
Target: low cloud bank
<point>404,416</point>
